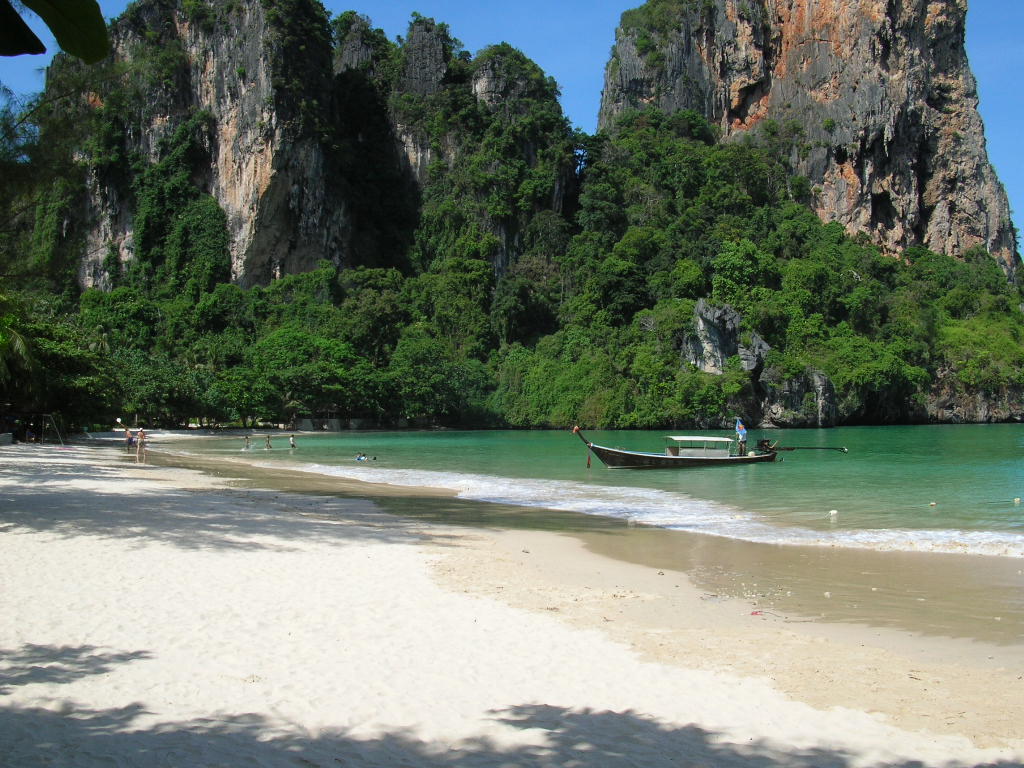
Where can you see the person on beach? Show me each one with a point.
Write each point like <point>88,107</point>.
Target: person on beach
<point>248,443</point>
<point>267,446</point>
<point>360,457</point>
<point>129,441</point>
<point>140,445</point>
<point>741,436</point>
<point>291,441</point>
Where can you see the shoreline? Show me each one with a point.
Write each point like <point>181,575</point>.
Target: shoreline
<point>964,596</point>
<point>386,638</point>
<point>928,609</point>
<point>862,523</point>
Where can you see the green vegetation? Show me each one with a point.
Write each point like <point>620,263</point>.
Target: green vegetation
<point>656,20</point>
<point>537,277</point>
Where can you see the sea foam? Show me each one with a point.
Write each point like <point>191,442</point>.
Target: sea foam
<point>673,510</point>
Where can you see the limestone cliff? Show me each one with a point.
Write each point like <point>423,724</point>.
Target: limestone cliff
<point>264,77</point>
<point>486,130</point>
<point>876,96</point>
<point>948,403</point>
<point>317,149</point>
<point>425,57</point>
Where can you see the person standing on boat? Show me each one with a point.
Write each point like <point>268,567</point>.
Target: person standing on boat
<point>741,436</point>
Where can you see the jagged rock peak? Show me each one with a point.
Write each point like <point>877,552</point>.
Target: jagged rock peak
<point>505,79</point>
<point>880,93</point>
<point>357,43</point>
<point>425,56</point>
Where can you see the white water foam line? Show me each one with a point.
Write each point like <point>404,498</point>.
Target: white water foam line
<point>674,511</point>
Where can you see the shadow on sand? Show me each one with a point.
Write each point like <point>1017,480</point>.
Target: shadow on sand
<point>68,735</point>
<point>246,517</point>
<point>580,739</point>
<point>231,519</point>
<point>57,664</point>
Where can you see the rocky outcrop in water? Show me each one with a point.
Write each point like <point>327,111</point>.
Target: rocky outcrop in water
<point>948,403</point>
<point>873,99</point>
<point>773,399</point>
<point>808,400</point>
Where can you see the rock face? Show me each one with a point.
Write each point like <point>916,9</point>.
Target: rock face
<point>716,338</point>
<point>802,401</point>
<point>879,92</point>
<point>774,401</point>
<point>267,170</point>
<point>947,405</point>
<point>314,151</point>
<point>424,66</point>
<point>442,150</point>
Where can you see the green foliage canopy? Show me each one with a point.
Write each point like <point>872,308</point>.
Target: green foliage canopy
<point>536,277</point>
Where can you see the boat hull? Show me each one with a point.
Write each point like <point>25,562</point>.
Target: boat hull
<point>615,458</point>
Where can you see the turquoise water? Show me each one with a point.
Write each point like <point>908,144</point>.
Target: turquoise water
<point>921,488</point>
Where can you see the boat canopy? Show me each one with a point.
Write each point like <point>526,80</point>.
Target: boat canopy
<point>698,439</point>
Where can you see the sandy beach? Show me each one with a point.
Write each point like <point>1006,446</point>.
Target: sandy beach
<point>162,616</point>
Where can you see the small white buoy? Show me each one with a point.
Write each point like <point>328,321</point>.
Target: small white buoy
<point>931,504</point>
<point>1017,500</point>
<point>833,512</point>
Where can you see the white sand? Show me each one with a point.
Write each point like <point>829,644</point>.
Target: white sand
<point>152,617</point>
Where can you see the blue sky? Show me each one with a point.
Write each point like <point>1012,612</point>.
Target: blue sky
<point>571,40</point>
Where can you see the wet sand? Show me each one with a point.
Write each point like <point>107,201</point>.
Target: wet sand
<point>966,597</point>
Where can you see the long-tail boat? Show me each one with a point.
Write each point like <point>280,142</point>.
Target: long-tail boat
<point>681,451</point>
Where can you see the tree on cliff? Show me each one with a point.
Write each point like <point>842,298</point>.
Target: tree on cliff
<point>523,275</point>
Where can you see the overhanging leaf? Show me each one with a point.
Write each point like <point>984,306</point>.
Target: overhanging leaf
<point>78,26</point>
<point>16,37</point>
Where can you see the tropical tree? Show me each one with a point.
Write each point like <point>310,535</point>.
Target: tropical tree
<point>15,349</point>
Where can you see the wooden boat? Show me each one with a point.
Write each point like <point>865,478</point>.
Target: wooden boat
<point>680,451</point>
